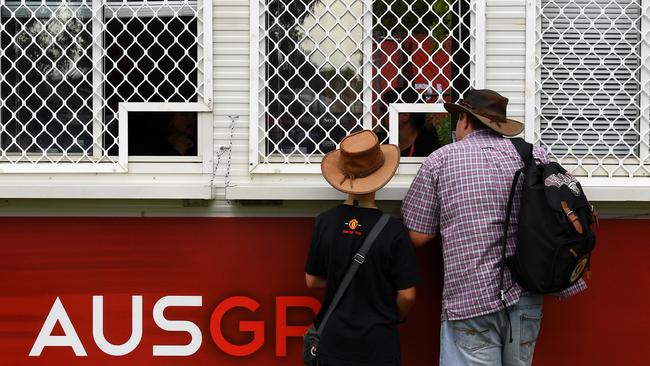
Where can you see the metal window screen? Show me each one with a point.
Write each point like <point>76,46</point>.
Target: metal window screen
<point>66,66</point>
<point>326,66</point>
<point>593,89</point>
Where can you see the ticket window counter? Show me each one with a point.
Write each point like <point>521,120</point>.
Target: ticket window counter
<point>436,131</point>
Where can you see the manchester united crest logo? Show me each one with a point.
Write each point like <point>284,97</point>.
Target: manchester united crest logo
<point>353,227</point>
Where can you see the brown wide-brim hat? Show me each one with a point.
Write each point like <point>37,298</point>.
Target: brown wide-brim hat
<point>361,165</point>
<point>489,107</point>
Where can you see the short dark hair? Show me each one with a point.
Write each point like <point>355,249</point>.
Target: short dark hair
<point>473,121</point>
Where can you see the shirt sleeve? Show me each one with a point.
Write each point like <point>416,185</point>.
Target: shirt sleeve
<point>404,270</point>
<point>421,208</point>
<point>314,265</point>
<point>540,155</point>
<point>574,289</point>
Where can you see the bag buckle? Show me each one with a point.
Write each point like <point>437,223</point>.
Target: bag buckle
<point>359,258</point>
<point>572,217</point>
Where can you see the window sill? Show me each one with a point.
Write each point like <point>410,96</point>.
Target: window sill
<point>314,187</point>
<point>131,186</point>
<point>617,189</point>
<point>304,192</point>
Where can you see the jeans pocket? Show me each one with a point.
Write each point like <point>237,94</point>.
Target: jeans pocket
<point>471,338</point>
<point>529,328</point>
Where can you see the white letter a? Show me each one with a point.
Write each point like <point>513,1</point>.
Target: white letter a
<point>46,339</point>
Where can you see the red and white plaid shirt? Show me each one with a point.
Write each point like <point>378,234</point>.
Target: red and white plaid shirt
<point>462,189</point>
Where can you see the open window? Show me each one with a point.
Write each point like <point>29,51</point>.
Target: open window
<point>435,130</point>
<point>163,134</point>
<point>168,133</point>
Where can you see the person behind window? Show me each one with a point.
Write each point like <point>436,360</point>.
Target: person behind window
<point>416,137</point>
<point>180,136</point>
<point>162,134</point>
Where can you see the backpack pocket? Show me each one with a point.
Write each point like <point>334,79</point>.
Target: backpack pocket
<point>571,261</point>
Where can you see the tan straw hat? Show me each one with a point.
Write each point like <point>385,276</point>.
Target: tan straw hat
<point>361,165</point>
<point>489,107</point>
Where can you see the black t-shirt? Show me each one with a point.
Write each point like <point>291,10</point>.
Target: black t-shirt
<point>363,328</point>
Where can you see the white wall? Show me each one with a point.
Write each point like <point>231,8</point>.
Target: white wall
<point>506,52</point>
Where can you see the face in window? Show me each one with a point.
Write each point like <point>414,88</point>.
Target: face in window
<point>182,123</point>
<point>419,134</point>
<point>162,133</point>
<point>182,133</point>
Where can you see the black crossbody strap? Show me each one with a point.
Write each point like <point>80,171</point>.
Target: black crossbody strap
<point>359,258</point>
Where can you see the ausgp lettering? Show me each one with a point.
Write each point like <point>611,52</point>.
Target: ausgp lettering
<point>71,338</point>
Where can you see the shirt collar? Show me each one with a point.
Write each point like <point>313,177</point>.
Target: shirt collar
<point>482,133</point>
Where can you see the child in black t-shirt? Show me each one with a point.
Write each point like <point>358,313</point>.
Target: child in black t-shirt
<point>362,330</point>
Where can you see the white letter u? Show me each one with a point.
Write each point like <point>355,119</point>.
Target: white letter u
<point>98,327</point>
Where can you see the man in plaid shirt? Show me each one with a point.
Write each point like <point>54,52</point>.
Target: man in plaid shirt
<point>461,191</point>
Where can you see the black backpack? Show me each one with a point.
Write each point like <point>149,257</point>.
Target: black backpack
<point>554,239</point>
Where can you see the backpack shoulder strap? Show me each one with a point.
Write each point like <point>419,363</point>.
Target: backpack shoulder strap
<point>524,149</point>
<point>358,259</point>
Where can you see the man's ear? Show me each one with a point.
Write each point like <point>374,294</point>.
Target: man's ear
<point>459,122</point>
<point>463,121</point>
<point>462,126</point>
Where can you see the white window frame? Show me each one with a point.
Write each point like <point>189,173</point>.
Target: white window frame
<point>612,188</point>
<point>303,181</point>
<point>478,76</point>
<point>121,165</point>
<point>134,177</point>
<point>124,163</point>
<point>166,163</point>
<point>408,165</point>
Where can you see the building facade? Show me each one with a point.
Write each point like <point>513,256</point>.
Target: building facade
<point>151,149</point>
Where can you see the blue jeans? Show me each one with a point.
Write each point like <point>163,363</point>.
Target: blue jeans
<point>484,340</point>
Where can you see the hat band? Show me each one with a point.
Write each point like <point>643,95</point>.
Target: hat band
<point>363,173</point>
<point>494,117</point>
<point>464,103</point>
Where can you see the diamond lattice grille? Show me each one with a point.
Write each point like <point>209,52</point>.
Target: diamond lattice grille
<point>66,66</point>
<point>326,66</point>
<point>594,87</point>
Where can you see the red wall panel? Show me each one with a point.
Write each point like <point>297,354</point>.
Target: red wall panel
<point>218,258</point>
<point>609,323</point>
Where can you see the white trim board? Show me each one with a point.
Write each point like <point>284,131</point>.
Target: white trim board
<point>596,189</point>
